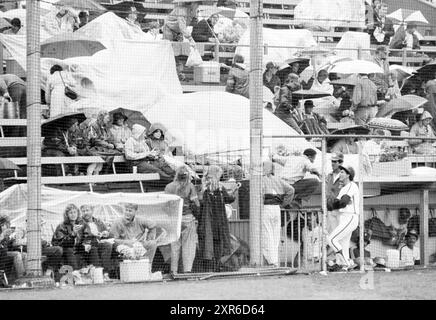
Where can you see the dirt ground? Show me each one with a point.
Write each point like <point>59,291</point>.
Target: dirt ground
<point>378,285</point>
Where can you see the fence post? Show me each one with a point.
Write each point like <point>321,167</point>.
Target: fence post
<point>324,203</point>
<point>361,214</point>
<point>217,51</point>
<point>359,52</point>
<point>423,226</point>
<point>404,56</point>
<point>265,49</point>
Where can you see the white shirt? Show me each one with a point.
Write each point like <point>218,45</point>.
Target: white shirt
<point>294,169</point>
<point>409,256</point>
<point>409,40</point>
<point>352,190</point>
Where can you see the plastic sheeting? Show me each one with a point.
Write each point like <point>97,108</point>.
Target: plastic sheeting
<point>354,40</point>
<point>273,37</point>
<point>326,14</point>
<point>164,209</point>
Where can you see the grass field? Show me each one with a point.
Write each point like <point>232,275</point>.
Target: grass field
<point>418,284</point>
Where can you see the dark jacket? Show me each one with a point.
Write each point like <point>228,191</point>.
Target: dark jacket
<point>275,81</point>
<point>86,235</point>
<point>238,81</point>
<point>57,140</point>
<point>63,236</point>
<point>388,30</point>
<point>202,31</point>
<point>399,39</point>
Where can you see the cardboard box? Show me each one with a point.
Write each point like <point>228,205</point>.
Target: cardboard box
<point>207,72</point>
<point>135,270</point>
<point>392,168</point>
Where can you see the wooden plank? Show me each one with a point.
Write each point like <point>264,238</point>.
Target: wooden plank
<point>278,2</point>
<point>399,179</point>
<point>13,122</point>
<point>60,160</point>
<point>156,16</point>
<point>423,227</point>
<point>13,142</point>
<point>154,5</point>
<point>103,178</point>
<point>286,12</point>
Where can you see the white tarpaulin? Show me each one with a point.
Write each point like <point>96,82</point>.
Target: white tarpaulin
<point>354,40</point>
<point>164,209</point>
<point>206,122</point>
<point>326,14</point>
<point>274,37</point>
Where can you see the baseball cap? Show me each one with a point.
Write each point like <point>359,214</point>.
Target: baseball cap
<point>412,232</point>
<point>349,170</point>
<point>337,156</point>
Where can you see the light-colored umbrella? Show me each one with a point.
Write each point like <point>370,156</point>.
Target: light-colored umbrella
<point>314,51</point>
<point>189,1</point>
<point>4,23</point>
<point>6,164</point>
<point>82,5</point>
<point>406,15</point>
<point>402,72</point>
<point>309,94</point>
<point>69,45</point>
<point>347,81</point>
<point>404,103</point>
<point>356,66</point>
<point>207,11</point>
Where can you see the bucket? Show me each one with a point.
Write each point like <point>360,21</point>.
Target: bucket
<point>9,109</point>
<point>393,258</point>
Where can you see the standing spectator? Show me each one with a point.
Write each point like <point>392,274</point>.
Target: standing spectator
<point>97,251</point>
<point>422,129</point>
<point>405,38</point>
<point>238,78</point>
<point>270,79</point>
<point>15,27</point>
<point>275,193</point>
<point>84,18</point>
<point>313,123</point>
<point>409,252</point>
<point>119,131</point>
<point>57,101</point>
<point>287,109</point>
<point>203,30</point>
<point>67,236</point>
<point>213,226</point>
<point>64,20</point>
<point>380,58</point>
<point>294,169</point>
<point>132,17</point>
<point>384,27</point>
<point>134,234</point>
<point>346,146</point>
<point>333,186</point>
<point>364,100</point>
<point>139,155</point>
<point>13,88</point>
<point>430,90</point>
<point>175,28</point>
<point>322,82</point>
<point>347,204</point>
<point>188,240</point>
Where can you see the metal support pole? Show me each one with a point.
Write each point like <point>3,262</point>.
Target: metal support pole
<point>33,140</point>
<point>423,227</point>
<point>361,217</point>
<point>256,132</point>
<point>324,203</point>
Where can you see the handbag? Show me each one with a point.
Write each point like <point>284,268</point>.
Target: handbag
<point>70,93</point>
<point>394,239</point>
<point>432,224</point>
<point>378,228</point>
<point>413,223</point>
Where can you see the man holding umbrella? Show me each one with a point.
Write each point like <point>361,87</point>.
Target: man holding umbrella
<point>364,99</point>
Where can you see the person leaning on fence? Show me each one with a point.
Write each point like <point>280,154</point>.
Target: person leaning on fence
<point>135,237</point>
<point>409,252</point>
<point>13,88</point>
<point>333,186</point>
<point>276,192</point>
<point>213,225</point>
<point>293,171</point>
<point>364,100</point>
<point>68,236</point>
<point>347,204</point>
<point>97,250</point>
<point>238,77</point>
<point>188,240</point>
<point>423,129</point>
<point>270,78</point>
<point>119,131</point>
<point>203,30</point>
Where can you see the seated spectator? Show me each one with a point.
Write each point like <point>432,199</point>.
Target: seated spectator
<point>97,249</point>
<point>154,30</point>
<point>287,109</point>
<point>203,30</point>
<point>100,142</point>
<point>156,139</point>
<point>355,251</point>
<point>346,146</point>
<point>322,82</point>
<point>238,78</point>
<point>134,236</point>
<point>293,171</point>
<point>270,79</point>
<point>422,129</point>
<point>52,253</point>
<point>393,91</point>
<point>188,240</point>
<point>68,236</point>
<point>84,18</point>
<point>119,131</point>
<point>373,147</point>
<point>15,27</point>
<point>313,123</point>
<point>405,38</point>
<point>409,252</point>
<point>65,142</point>
<point>139,155</point>
<point>6,241</point>
<point>384,28</point>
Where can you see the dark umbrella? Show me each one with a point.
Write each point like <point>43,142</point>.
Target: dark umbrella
<point>426,72</point>
<point>352,129</point>
<point>123,9</point>
<point>62,121</point>
<point>309,94</point>
<point>6,164</point>
<point>285,69</point>
<point>350,81</point>
<point>133,117</point>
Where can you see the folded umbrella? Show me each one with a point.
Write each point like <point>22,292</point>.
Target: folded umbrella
<point>403,103</point>
<point>356,66</point>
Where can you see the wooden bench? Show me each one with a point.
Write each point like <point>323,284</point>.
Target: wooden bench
<point>14,142</point>
<point>11,123</point>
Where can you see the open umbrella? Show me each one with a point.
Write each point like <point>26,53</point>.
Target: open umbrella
<point>6,164</point>
<point>387,124</point>
<point>62,121</point>
<point>426,72</point>
<point>356,66</point>
<point>406,15</point>
<point>403,103</point>
<point>4,23</point>
<point>285,68</point>
<point>207,11</point>
<point>88,5</point>
<point>314,51</point>
<point>309,94</point>
<point>352,129</point>
<point>402,72</point>
<point>69,45</point>
<point>347,81</point>
<point>122,9</point>
<point>133,117</point>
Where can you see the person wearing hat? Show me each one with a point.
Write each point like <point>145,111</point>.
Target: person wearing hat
<point>313,123</point>
<point>154,30</point>
<point>347,205</point>
<point>409,252</point>
<point>405,38</point>
<point>132,17</point>
<point>380,58</point>
<point>364,99</point>
<point>355,252</point>
<point>333,186</point>
<point>422,129</point>
<point>238,78</point>
<point>346,146</point>
<point>384,27</point>
<point>15,26</point>
<point>270,79</point>
<point>119,131</point>
<point>203,30</point>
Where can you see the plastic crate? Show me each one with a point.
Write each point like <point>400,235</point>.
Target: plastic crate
<point>135,270</point>
<point>392,168</point>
